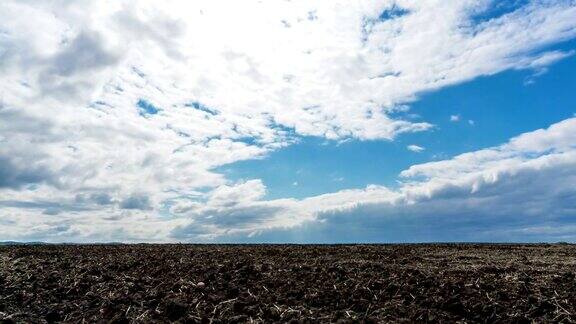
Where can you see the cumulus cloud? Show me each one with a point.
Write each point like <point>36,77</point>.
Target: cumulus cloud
<point>415,148</point>
<point>121,111</point>
<point>513,191</point>
<point>522,190</point>
<point>14,177</point>
<point>136,202</point>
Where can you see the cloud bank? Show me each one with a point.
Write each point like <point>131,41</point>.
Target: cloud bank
<point>522,189</point>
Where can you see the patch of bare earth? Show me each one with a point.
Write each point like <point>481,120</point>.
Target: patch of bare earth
<point>283,283</point>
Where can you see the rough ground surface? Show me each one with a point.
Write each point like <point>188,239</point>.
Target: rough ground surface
<point>280,283</point>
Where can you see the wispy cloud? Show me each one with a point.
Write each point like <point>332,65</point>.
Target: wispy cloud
<point>415,148</point>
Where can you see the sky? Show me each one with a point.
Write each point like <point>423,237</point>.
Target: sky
<point>369,121</point>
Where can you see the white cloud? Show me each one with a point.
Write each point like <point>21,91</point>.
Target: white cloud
<point>518,187</point>
<point>525,186</point>
<point>455,118</point>
<point>415,148</point>
<point>246,192</point>
<point>230,82</point>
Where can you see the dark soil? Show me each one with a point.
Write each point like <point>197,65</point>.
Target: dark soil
<point>283,283</point>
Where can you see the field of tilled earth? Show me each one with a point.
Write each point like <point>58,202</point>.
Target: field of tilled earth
<point>288,283</point>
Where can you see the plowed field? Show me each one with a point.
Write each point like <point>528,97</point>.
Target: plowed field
<point>283,283</point>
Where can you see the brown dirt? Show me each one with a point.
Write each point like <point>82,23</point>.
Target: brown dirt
<point>283,283</point>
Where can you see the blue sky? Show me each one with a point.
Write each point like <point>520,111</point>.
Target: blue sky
<point>276,121</point>
<point>500,106</point>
